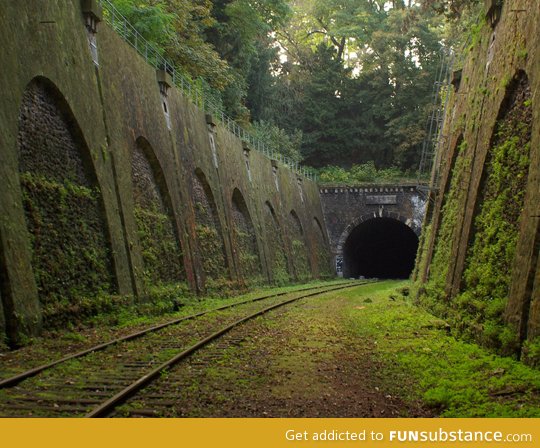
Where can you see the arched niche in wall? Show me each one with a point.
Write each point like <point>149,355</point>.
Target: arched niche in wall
<point>322,251</point>
<point>497,215</point>
<point>298,246</point>
<point>208,228</point>
<point>71,256</point>
<point>274,238</point>
<point>245,239</point>
<point>156,226</point>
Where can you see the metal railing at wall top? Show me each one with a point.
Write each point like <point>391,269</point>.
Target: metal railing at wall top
<point>435,138</point>
<point>199,92</point>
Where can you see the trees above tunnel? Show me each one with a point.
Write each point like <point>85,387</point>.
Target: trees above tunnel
<point>353,77</point>
<point>361,74</point>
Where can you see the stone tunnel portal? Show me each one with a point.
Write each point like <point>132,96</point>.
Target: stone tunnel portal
<point>380,248</point>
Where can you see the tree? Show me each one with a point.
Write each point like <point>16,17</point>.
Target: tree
<point>241,35</point>
<point>353,77</point>
<point>361,73</point>
<point>277,139</point>
<point>175,28</point>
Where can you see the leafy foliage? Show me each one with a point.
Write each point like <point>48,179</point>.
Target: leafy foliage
<point>160,249</point>
<point>352,79</point>
<point>70,255</point>
<point>211,247</point>
<point>366,172</point>
<point>358,75</point>
<point>286,144</point>
<point>176,28</point>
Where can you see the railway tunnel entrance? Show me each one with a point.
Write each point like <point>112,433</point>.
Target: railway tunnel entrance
<point>381,248</point>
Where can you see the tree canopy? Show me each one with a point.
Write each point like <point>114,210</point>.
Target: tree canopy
<point>332,82</point>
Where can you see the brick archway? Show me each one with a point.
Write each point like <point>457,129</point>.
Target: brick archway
<point>366,217</point>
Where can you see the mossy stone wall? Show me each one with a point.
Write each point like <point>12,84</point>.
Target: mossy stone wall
<point>156,228</point>
<point>276,247</point>
<point>63,206</point>
<point>209,231</point>
<point>113,106</point>
<point>245,240</point>
<point>478,264</point>
<point>299,249</point>
<point>324,262</point>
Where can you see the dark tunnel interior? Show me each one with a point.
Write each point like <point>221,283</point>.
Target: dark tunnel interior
<point>380,248</point>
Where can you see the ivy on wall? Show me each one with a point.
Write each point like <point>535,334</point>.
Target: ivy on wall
<point>70,255</point>
<point>245,241</point>
<point>208,229</point>
<point>159,246</point>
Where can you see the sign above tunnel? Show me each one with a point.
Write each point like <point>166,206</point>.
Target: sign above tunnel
<point>386,199</point>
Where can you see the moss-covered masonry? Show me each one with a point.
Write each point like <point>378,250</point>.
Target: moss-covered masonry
<point>99,194</point>
<point>478,261</point>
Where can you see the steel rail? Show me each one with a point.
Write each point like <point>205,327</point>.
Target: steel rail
<point>14,380</point>
<point>106,407</point>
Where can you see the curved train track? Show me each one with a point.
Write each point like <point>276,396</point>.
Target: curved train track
<point>94,382</point>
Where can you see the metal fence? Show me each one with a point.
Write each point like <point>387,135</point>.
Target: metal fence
<point>196,91</point>
<point>435,138</point>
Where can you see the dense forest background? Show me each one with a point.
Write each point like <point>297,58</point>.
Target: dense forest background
<point>341,85</point>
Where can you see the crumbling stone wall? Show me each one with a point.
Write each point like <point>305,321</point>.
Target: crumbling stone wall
<point>478,260</point>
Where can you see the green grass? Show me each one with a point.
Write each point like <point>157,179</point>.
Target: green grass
<point>423,361</point>
<point>173,301</point>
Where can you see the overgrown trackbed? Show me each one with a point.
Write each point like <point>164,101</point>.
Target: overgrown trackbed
<point>298,361</point>
<point>361,352</point>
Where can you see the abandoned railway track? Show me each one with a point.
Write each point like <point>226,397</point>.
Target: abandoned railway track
<point>94,382</point>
